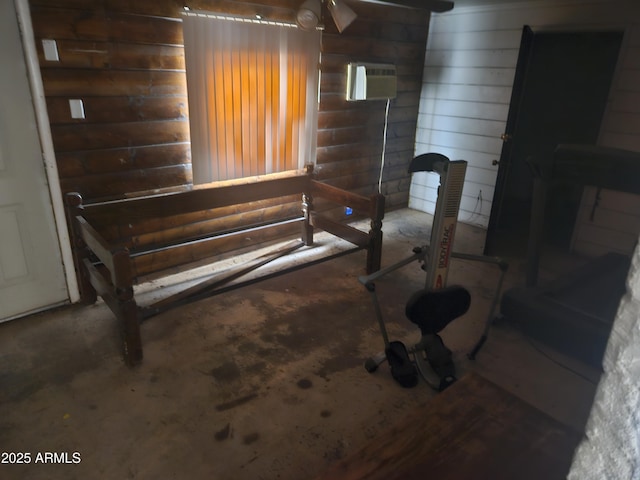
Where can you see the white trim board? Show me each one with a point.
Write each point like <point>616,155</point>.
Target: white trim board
<point>48,153</point>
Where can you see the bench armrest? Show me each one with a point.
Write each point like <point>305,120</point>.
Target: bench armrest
<point>116,259</point>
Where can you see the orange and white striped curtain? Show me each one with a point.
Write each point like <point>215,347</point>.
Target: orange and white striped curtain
<point>253,96</point>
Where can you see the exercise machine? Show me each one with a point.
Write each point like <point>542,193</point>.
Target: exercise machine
<point>437,304</point>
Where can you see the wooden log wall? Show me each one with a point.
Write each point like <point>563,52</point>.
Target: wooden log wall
<point>350,134</point>
<point>125,61</point>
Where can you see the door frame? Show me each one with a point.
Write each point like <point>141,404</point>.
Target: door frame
<point>48,153</point>
<point>526,42</point>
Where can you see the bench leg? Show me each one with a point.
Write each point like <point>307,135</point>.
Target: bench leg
<point>307,228</point>
<point>374,252</point>
<point>127,313</point>
<point>88,294</point>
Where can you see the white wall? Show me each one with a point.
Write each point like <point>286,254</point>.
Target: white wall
<point>616,220</point>
<point>469,69</point>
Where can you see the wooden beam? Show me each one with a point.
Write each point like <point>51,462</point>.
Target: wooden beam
<point>358,203</point>
<point>438,6</point>
<point>346,232</point>
<point>116,259</point>
<point>217,281</point>
<point>161,206</point>
<point>185,255</point>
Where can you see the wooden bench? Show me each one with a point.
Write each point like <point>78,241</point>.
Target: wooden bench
<point>117,244</point>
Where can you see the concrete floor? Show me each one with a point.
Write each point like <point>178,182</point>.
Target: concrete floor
<point>264,382</point>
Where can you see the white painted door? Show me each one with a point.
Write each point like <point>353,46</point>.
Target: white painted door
<point>31,271</point>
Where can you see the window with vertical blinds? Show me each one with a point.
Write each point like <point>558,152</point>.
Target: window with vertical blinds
<point>253,96</point>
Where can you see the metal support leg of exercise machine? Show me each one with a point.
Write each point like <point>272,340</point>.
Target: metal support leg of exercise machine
<point>434,307</point>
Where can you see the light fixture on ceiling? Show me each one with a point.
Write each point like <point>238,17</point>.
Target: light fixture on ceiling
<point>342,15</point>
<point>308,15</point>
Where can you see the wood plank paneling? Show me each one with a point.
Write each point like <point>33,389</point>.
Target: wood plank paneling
<point>96,162</point>
<point>77,54</point>
<point>383,35</point>
<point>119,109</point>
<point>469,70</point>
<point>473,76</point>
<point>92,23</point>
<point>128,70</point>
<point>611,223</point>
<point>104,136</point>
<point>107,83</point>
<point>125,61</point>
<point>110,186</point>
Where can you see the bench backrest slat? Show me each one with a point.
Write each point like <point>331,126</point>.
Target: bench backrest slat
<point>180,203</point>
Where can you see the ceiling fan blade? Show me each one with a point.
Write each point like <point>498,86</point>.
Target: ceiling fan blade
<point>438,6</point>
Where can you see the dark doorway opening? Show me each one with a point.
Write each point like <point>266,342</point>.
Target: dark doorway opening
<point>559,95</point>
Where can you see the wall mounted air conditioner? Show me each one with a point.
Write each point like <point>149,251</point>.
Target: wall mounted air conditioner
<point>371,81</point>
